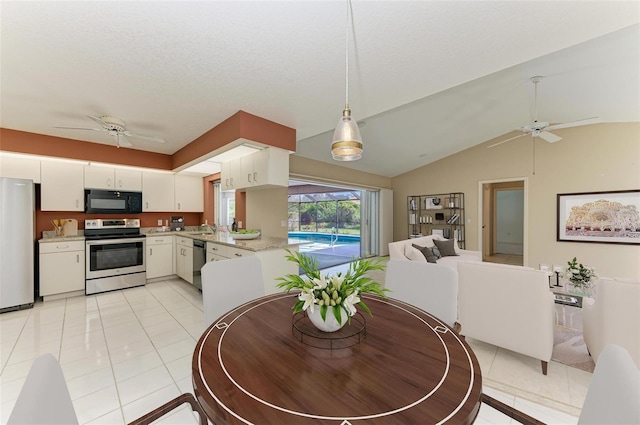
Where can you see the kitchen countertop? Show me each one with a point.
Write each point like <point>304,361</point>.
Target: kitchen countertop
<point>262,243</point>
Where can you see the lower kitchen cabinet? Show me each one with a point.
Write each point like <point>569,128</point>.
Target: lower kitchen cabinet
<point>184,258</point>
<point>61,267</point>
<point>159,256</point>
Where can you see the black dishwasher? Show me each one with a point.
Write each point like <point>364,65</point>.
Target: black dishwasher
<point>199,259</point>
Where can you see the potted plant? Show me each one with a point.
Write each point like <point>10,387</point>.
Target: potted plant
<point>330,300</point>
<point>580,276</point>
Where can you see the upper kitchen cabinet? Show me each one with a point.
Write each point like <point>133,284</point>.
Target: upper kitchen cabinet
<point>157,192</point>
<point>20,168</point>
<point>231,174</point>
<point>266,168</point>
<point>189,194</point>
<point>62,187</point>
<point>98,177</point>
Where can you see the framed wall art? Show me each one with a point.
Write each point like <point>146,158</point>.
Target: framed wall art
<point>602,217</point>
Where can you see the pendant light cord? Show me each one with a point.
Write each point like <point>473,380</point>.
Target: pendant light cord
<point>346,95</point>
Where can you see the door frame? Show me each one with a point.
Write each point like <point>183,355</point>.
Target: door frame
<point>525,218</point>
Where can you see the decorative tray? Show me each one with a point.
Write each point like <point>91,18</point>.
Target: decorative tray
<point>244,235</point>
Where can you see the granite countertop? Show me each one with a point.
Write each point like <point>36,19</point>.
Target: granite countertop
<point>50,236</point>
<point>262,243</point>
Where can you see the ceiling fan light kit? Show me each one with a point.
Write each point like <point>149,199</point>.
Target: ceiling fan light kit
<point>346,144</point>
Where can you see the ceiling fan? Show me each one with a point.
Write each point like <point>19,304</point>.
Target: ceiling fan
<point>541,128</point>
<point>116,128</point>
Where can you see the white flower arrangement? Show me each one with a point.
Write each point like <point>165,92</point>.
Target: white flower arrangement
<point>319,290</point>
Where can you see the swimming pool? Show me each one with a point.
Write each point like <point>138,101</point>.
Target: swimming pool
<point>325,237</point>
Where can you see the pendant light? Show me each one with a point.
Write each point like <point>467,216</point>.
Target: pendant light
<point>347,142</point>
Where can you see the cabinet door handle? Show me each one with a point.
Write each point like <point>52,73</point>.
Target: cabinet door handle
<point>77,203</point>
<point>231,181</point>
<point>146,205</point>
<point>249,178</point>
<point>150,251</point>
<point>255,177</point>
<point>120,183</point>
<point>62,246</point>
<point>78,258</point>
<point>108,182</point>
<point>238,255</point>
<point>178,206</point>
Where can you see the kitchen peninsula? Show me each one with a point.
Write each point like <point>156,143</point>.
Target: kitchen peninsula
<point>220,246</point>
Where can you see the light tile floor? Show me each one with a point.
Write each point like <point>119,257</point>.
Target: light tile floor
<point>124,353</point>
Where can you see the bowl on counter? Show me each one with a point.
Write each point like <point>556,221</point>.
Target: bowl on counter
<point>239,235</point>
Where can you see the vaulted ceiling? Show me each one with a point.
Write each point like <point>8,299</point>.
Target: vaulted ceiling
<point>427,78</point>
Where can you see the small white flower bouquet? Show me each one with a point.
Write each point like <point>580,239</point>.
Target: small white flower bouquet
<point>580,276</point>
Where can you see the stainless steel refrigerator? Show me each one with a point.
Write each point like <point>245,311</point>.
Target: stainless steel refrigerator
<point>17,243</point>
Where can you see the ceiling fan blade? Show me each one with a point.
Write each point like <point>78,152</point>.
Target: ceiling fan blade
<point>80,128</point>
<point>549,137</point>
<point>123,141</point>
<point>142,136</point>
<point>98,120</point>
<point>505,141</point>
<point>584,121</point>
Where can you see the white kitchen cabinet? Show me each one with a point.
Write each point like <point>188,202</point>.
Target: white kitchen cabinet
<point>157,192</point>
<point>62,187</point>
<point>231,174</point>
<point>189,194</point>
<point>61,267</point>
<point>216,252</point>
<point>159,256</point>
<point>184,258</point>
<point>263,169</point>
<point>20,168</point>
<point>99,177</point>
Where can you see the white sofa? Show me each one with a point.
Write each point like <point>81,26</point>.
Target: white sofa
<point>507,306</point>
<point>403,250</point>
<point>613,317</point>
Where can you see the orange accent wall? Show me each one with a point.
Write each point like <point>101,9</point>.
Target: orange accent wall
<point>40,144</point>
<point>240,125</point>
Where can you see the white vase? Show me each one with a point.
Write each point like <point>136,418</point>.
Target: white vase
<point>329,325</point>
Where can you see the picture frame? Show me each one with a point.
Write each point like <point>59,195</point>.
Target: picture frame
<point>599,217</point>
<point>437,232</point>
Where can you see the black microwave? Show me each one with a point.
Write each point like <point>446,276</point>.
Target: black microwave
<point>112,202</point>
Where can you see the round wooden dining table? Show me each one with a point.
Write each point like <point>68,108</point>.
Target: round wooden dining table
<point>406,367</point>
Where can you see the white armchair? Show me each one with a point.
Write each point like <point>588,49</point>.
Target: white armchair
<point>507,306</point>
<point>613,317</point>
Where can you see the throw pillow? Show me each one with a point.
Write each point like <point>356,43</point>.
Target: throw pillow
<point>436,251</point>
<point>413,254</point>
<point>446,248</point>
<point>427,252</point>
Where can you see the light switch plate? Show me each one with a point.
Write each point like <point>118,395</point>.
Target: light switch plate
<point>239,224</point>
<point>159,222</point>
<point>283,223</point>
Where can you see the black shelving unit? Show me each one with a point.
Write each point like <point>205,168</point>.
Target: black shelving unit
<point>441,213</point>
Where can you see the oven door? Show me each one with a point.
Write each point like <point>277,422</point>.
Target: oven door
<point>112,257</point>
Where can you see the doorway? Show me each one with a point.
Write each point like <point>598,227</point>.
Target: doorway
<point>503,221</point>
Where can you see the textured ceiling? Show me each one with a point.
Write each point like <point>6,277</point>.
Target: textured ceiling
<point>430,78</point>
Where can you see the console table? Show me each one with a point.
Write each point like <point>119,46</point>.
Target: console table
<point>249,368</point>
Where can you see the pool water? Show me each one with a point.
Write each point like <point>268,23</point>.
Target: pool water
<point>325,238</point>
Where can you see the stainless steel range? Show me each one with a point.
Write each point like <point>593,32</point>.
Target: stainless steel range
<point>115,255</point>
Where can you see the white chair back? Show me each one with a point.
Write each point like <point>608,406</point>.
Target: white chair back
<point>436,295</point>
<point>227,284</point>
<point>613,397</point>
<point>44,398</point>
